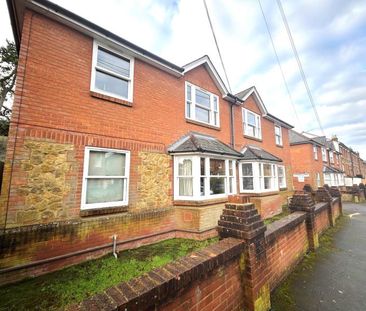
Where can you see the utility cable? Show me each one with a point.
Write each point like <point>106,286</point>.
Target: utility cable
<point>284,19</point>
<point>279,64</point>
<point>217,45</point>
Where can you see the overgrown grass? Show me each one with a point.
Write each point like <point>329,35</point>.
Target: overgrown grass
<point>282,299</point>
<point>285,211</point>
<point>56,290</point>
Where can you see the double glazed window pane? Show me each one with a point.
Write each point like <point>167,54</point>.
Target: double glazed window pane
<point>248,183</point>
<point>185,167</point>
<point>267,170</point>
<point>101,190</point>
<point>202,98</point>
<point>251,119</point>
<point>113,63</point>
<point>106,164</point>
<point>111,84</point>
<point>217,185</point>
<point>247,169</point>
<point>217,167</point>
<point>202,115</point>
<point>185,183</point>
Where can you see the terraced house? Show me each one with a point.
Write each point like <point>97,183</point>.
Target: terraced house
<point>316,161</point>
<point>109,142</point>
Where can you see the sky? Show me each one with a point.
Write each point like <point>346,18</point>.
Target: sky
<point>330,36</point>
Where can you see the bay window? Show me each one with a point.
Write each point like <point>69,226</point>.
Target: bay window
<point>261,177</point>
<point>112,73</point>
<point>201,105</point>
<point>106,176</point>
<point>251,124</point>
<point>202,177</point>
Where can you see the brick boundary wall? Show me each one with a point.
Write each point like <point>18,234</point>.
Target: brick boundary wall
<point>236,273</point>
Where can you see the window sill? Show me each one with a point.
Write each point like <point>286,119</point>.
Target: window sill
<point>203,124</point>
<point>260,194</point>
<point>279,146</point>
<point>199,203</point>
<point>111,99</point>
<point>253,138</point>
<point>283,189</point>
<point>103,211</point>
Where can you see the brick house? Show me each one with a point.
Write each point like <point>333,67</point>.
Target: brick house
<point>353,165</point>
<point>316,161</point>
<point>109,142</point>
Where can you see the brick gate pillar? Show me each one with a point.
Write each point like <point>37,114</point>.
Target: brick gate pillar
<point>242,221</point>
<point>304,202</point>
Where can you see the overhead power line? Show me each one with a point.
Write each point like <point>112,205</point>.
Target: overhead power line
<point>279,63</point>
<point>217,45</point>
<point>284,19</point>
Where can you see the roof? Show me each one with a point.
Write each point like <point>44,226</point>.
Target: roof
<point>16,9</point>
<point>328,169</point>
<point>243,95</point>
<point>201,143</point>
<point>299,139</point>
<point>255,153</point>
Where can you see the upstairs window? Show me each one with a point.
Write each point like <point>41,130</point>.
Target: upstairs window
<point>331,157</point>
<point>251,124</point>
<point>278,135</point>
<point>324,154</point>
<point>112,73</point>
<point>201,105</point>
<point>315,151</point>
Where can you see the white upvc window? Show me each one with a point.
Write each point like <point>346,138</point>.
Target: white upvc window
<point>112,73</point>
<point>331,157</point>
<point>327,179</point>
<point>324,154</point>
<point>258,177</point>
<point>315,151</point>
<point>281,176</point>
<point>278,135</point>
<point>251,124</point>
<point>198,177</point>
<point>201,105</point>
<point>318,181</point>
<point>106,178</point>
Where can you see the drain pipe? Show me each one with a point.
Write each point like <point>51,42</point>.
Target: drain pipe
<point>114,237</point>
<point>232,139</point>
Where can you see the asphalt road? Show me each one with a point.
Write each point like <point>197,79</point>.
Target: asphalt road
<point>338,279</point>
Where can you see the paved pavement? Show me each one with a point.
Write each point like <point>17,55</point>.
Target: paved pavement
<point>337,280</point>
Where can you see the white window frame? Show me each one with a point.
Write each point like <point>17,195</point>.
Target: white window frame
<point>258,126</point>
<point>331,157</point>
<point>258,178</point>
<point>84,205</point>
<point>324,154</point>
<point>315,152</point>
<point>196,174</point>
<point>280,143</point>
<point>130,79</point>
<point>318,180</point>
<point>284,177</point>
<point>193,104</point>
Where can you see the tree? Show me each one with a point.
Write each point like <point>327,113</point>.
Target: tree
<point>8,68</point>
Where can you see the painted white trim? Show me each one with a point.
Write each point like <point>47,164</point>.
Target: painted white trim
<point>130,79</point>
<point>84,205</point>
<point>257,98</point>
<point>281,136</point>
<point>245,123</point>
<point>193,105</point>
<point>196,175</point>
<point>211,69</point>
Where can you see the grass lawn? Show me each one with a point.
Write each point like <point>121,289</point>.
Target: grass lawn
<point>285,212</point>
<point>58,289</point>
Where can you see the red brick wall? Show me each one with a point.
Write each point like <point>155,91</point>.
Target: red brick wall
<point>302,159</point>
<point>222,290</point>
<point>285,252</point>
<point>322,221</point>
